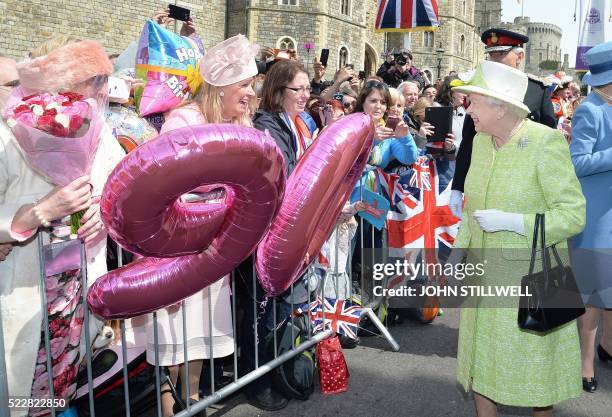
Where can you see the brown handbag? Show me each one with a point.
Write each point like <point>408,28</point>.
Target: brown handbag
<point>550,298</point>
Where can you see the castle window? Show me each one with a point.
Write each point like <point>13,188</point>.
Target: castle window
<point>428,39</point>
<point>286,43</point>
<point>343,57</point>
<point>345,7</point>
<point>288,2</point>
<point>463,7</point>
<point>462,44</point>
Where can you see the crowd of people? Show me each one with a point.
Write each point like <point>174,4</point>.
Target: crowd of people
<point>505,158</point>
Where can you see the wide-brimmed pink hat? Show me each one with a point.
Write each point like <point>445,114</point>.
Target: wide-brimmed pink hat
<point>229,62</point>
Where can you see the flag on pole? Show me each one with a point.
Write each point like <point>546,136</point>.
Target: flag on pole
<point>407,15</point>
<point>595,28</point>
<point>340,315</point>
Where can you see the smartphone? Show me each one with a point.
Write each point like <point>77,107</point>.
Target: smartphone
<point>351,66</point>
<point>178,13</point>
<point>442,120</point>
<point>392,122</point>
<point>362,75</point>
<point>324,57</point>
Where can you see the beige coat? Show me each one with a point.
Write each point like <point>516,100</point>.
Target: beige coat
<point>20,309</point>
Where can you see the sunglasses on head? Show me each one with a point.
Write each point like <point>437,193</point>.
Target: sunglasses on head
<point>377,84</point>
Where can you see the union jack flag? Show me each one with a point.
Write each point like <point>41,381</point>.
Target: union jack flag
<point>419,217</point>
<point>340,315</point>
<point>407,15</point>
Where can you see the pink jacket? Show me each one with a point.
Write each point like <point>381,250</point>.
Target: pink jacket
<point>188,115</point>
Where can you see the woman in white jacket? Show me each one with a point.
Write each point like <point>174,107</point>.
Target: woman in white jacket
<point>27,201</point>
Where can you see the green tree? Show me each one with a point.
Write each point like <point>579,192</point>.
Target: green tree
<point>550,65</point>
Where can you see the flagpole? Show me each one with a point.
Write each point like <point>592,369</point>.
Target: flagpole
<point>522,8</point>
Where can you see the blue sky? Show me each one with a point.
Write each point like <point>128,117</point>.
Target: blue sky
<point>558,12</point>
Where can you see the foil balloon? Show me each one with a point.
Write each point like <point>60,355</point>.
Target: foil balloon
<point>316,191</point>
<point>186,245</point>
<point>169,66</point>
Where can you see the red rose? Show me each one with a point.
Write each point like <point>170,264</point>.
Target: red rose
<point>72,96</point>
<point>21,108</point>
<point>45,122</point>
<point>57,129</point>
<point>67,104</point>
<point>75,124</point>
<point>39,102</point>
<point>26,98</point>
<point>50,112</point>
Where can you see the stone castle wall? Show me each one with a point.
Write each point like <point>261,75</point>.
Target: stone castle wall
<point>26,24</point>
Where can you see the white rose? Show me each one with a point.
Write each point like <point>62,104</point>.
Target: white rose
<point>63,119</point>
<point>53,105</point>
<point>11,123</point>
<point>37,109</point>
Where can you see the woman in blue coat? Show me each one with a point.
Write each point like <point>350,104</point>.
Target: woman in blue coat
<point>591,151</point>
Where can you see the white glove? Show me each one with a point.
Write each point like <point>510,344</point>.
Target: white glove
<point>456,203</point>
<point>496,220</point>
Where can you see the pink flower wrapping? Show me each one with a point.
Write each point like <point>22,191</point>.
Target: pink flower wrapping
<point>49,152</point>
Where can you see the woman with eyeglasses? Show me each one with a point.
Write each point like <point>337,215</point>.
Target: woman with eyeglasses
<point>282,110</point>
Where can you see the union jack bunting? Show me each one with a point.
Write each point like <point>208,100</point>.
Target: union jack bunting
<point>407,15</point>
<point>419,217</point>
<point>340,315</point>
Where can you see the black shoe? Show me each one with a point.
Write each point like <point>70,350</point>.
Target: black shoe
<point>603,355</point>
<point>589,386</point>
<point>267,399</point>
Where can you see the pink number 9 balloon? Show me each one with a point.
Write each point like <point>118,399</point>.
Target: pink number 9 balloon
<point>187,246</point>
<point>316,191</point>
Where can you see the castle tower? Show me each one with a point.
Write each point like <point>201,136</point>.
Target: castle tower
<point>487,14</point>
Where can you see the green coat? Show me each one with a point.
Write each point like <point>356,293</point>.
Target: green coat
<point>532,173</point>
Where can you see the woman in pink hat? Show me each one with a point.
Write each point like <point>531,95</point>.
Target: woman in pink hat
<point>228,70</point>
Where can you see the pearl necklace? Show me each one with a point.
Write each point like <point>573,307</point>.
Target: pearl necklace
<point>512,133</point>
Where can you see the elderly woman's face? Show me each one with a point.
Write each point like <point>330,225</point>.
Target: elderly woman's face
<point>481,112</point>
<point>296,94</point>
<point>375,105</point>
<point>236,98</point>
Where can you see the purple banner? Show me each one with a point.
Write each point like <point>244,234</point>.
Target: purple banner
<point>581,62</point>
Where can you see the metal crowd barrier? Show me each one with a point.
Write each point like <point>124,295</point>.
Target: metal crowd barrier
<point>239,381</point>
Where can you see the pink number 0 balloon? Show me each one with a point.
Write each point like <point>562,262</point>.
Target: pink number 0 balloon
<point>187,245</point>
<point>316,191</point>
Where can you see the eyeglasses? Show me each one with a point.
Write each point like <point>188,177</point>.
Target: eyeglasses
<point>299,90</point>
<point>376,84</point>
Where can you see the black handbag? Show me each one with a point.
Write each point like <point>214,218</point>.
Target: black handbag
<point>549,298</point>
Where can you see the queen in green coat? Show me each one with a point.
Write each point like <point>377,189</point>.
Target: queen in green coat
<point>519,168</point>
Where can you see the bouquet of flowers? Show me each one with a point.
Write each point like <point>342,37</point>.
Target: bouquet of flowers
<point>58,135</point>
